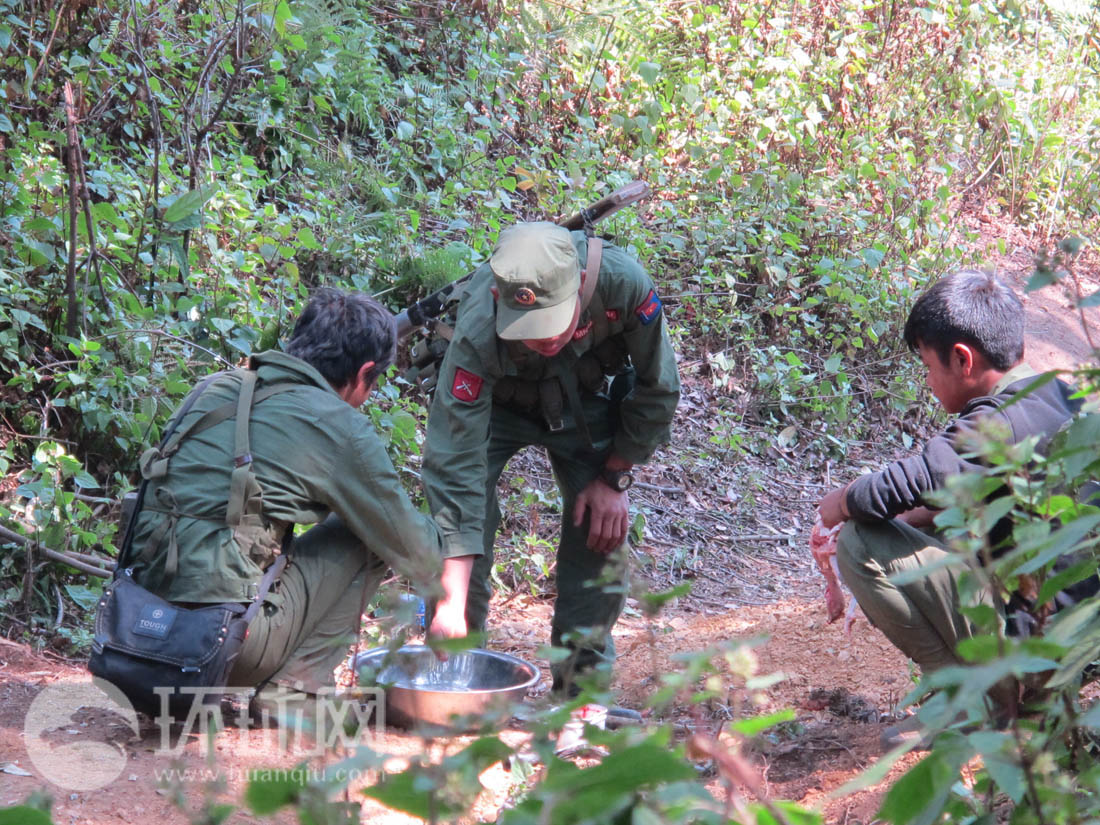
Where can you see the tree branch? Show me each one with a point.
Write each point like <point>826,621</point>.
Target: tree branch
<point>85,199</point>
<point>163,334</point>
<point>74,183</point>
<point>237,32</point>
<point>158,140</point>
<point>46,52</point>
<point>56,555</point>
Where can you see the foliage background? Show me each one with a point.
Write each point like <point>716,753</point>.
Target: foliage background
<point>175,178</point>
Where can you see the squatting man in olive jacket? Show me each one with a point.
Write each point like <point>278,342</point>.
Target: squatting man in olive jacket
<point>548,353</point>
<point>317,460</point>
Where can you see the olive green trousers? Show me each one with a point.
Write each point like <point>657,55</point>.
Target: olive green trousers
<point>922,618</point>
<point>590,589</point>
<point>305,630</point>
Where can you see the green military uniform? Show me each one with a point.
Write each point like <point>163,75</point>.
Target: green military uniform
<point>493,399</point>
<point>316,460</point>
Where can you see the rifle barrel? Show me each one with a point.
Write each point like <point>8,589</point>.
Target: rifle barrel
<point>608,205</point>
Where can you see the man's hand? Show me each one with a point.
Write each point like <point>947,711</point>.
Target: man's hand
<point>449,620</point>
<point>609,515</point>
<point>833,508</point>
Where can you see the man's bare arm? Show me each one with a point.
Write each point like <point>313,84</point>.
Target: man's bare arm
<point>450,613</point>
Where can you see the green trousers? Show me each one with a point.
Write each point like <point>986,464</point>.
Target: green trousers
<point>590,591</point>
<point>922,619</point>
<point>298,640</point>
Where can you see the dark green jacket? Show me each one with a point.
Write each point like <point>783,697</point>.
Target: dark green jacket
<point>313,455</point>
<point>458,428</point>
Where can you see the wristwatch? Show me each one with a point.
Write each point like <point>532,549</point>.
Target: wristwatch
<point>617,480</point>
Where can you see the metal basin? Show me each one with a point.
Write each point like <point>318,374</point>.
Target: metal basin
<point>466,691</point>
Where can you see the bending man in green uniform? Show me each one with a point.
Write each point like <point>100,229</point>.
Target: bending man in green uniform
<point>573,360</point>
<point>315,459</point>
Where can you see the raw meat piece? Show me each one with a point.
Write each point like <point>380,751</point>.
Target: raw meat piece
<point>823,548</point>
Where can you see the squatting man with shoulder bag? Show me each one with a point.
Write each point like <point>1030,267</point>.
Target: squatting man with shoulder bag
<point>254,452</point>
<point>968,329</point>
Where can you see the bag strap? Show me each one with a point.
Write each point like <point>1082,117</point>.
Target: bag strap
<point>242,481</point>
<point>566,372</point>
<point>567,375</point>
<point>274,570</point>
<point>272,573</point>
<point>154,461</point>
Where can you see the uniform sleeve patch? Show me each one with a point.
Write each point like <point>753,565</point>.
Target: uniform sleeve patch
<point>466,386</point>
<point>650,308</point>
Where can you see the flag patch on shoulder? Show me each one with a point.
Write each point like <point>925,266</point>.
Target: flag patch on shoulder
<point>650,308</point>
<point>466,386</point>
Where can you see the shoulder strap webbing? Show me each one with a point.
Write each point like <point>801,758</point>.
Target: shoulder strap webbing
<point>154,461</point>
<point>244,498</point>
<point>128,535</point>
<point>242,457</point>
<point>227,410</point>
<point>567,375</point>
<point>589,298</point>
<point>175,435</point>
<point>591,269</point>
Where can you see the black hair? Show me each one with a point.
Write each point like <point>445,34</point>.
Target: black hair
<point>973,308</point>
<point>338,332</point>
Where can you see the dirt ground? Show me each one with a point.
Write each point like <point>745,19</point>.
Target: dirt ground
<point>753,579</point>
<point>829,746</point>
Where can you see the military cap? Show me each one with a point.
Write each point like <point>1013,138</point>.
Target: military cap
<point>538,278</point>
